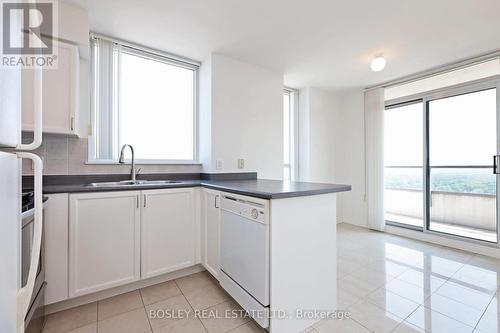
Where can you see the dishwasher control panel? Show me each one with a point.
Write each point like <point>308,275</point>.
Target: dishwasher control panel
<point>248,209</point>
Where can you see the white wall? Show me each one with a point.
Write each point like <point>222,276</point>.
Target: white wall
<point>242,117</point>
<point>320,138</point>
<point>331,146</point>
<point>319,121</point>
<point>351,163</point>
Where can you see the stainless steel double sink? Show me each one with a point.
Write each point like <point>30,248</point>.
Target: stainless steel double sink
<point>129,183</point>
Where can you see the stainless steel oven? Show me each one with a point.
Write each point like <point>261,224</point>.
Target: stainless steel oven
<point>35,318</point>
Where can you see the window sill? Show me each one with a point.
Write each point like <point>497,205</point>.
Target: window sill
<point>144,162</point>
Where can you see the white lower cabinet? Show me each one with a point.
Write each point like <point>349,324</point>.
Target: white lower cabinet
<point>168,231</point>
<point>117,238</point>
<point>55,220</point>
<point>104,241</point>
<point>211,230</point>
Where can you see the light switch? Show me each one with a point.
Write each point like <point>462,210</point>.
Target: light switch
<point>241,163</point>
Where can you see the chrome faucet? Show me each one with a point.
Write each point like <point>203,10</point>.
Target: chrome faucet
<point>122,160</point>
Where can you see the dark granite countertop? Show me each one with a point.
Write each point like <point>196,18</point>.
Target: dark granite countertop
<point>274,189</point>
<point>244,184</point>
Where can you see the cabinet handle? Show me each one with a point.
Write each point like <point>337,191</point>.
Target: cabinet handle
<point>215,201</point>
<point>72,123</point>
<point>144,200</point>
<point>137,200</point>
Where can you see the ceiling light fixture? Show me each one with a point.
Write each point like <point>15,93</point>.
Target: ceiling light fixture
<point>378,64</point>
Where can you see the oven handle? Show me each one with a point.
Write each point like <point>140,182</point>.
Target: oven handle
<point>25,293</point>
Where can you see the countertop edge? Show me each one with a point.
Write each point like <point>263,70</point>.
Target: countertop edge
<point>335,188</point>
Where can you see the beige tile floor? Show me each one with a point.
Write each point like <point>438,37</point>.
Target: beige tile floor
<point>129,312</point>
<point>385,283</point>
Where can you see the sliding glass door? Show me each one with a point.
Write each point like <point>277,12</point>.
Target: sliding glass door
<point>439,162</point>
<point>462,188</point>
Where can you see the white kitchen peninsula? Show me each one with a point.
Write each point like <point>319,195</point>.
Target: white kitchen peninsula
<point>271,244</point>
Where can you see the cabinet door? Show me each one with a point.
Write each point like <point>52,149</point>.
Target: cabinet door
<point>56,247</point>
<point>211,231</point>
<point>104,236</point>
<point>60,94</point>
<point>168,233</point>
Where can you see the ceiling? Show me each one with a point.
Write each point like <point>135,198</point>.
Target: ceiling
<point>322,43</point>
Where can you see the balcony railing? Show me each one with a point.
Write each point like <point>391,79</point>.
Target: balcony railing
<point>465,214</point>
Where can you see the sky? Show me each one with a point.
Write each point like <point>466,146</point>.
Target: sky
<point>462,131</point>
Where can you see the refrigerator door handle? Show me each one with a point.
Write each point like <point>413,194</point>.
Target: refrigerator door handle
<point>37,128</point>
<point>25,293</point>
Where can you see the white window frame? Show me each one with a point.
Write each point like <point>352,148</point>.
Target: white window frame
<point>147,53</point>
<point>294,130</point>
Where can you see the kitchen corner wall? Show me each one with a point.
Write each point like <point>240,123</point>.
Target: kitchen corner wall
<point>67,155</point>
<point>351,166</point>
<point>241,116</point>
<point>319,119</point>
<point>331,146</point>
<point>320,139</point>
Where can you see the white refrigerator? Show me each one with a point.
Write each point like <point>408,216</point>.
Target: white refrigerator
<point>14,298</point>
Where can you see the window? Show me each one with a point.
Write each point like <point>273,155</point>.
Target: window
<point>439,168</point>
<point>144,99</point>
<point>440,141</point>
<point>289,144</point>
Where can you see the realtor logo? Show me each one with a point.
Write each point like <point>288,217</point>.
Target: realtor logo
<point>27,33</point>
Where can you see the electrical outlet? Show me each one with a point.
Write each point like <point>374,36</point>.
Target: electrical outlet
<point>241,163</point>
<point>218,164</point>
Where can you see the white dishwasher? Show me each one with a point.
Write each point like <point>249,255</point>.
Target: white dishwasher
<point>244,254</point>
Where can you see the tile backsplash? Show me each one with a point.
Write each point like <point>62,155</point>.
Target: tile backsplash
<point>67,155</point>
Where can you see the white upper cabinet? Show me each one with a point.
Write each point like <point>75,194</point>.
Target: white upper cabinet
<point>211,230</point>
<point>60,94</point>
<point>168,231</point>
<point>104,241</point>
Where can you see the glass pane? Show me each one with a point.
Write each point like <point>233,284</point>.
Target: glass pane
<point>462,133</point>
<point>403,132</point>
<point>403,154</point>
<point>286,128</point>
<point>463,202</point>
<point>403,197</point>
<point>156,108</point>
<point>462,129</point>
